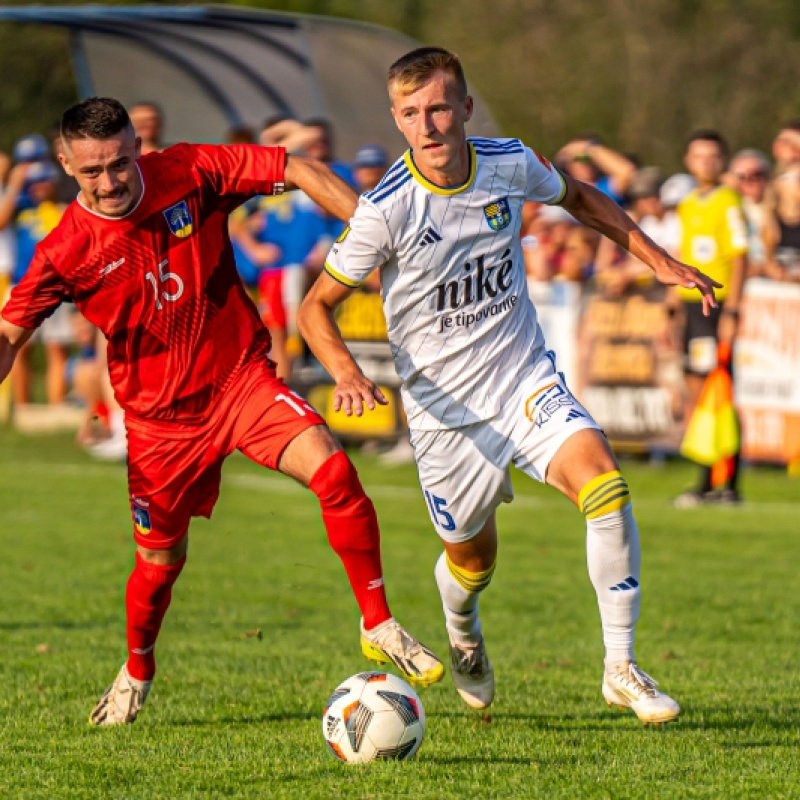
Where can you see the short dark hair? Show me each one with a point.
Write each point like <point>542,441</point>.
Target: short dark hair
<point>94,118</point>
<point>275,119</point>
<point>319,122</point>
<point>413,69</point>
<point>151,105</point>
<point>709,135</point>
<point>791,125</point>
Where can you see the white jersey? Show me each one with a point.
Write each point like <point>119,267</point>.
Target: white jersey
<point>462,329</point>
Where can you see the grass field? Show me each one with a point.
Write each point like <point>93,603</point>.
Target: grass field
<point>234,714</point>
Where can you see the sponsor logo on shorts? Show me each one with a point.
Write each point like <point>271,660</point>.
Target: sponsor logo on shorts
<point>141,519</point>
<point>544,403</point>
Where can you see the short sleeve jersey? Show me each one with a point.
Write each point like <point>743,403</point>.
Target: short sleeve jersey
<point>161,282</point>
<point>713,234</point>
<point>461,326</point>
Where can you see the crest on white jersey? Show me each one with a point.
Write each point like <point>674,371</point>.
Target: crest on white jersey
<point>498,214</point>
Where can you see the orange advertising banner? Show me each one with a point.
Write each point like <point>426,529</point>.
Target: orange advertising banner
<point>766,365</point>
<point>630,368</point>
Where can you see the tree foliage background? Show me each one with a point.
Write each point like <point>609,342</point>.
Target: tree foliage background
<point>640,74</point>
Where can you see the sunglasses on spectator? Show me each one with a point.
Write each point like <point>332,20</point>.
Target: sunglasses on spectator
<point>750,177</point>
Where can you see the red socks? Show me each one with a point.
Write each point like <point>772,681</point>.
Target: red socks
<point>147,599</point>
<point>353,533</point>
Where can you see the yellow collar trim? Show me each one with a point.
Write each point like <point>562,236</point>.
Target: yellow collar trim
<point>445,190</point>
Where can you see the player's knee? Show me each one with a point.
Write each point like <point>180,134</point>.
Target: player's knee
<point>604,495</point>
<point>336,483</point>
<point>166,556</point>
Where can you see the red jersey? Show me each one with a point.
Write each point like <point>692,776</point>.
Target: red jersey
<point>161,282</point>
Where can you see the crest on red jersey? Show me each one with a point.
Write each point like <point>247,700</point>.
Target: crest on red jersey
<point>179,219</point>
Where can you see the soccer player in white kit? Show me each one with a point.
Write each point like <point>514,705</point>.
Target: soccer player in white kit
<point>479,387</point>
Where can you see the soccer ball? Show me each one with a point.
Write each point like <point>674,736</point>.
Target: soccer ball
<point>373,715</point>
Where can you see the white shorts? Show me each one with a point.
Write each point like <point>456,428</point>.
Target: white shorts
<point>59,328</point>
<point>464,472</point>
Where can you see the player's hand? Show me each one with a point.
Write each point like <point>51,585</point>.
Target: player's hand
<point>354,392</point>
<point>674,273</point>
<point>17,175</point>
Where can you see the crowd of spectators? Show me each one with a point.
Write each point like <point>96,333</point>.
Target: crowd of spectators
<point>281,242</point>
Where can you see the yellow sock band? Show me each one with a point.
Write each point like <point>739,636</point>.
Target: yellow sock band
<point>473,582</point>
<point>604,494</point>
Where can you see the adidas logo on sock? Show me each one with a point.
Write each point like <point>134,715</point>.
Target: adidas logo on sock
<point>429,237</point>
<point>629,583</point>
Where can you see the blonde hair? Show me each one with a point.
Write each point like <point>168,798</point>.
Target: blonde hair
<point>408,73</point>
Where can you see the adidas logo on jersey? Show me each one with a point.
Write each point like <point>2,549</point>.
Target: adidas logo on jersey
<point>574,415</point>
<point>429,237</point>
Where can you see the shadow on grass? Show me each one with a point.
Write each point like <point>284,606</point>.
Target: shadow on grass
<point>248,719</point>
<point>64,625</point>
<point>489,758</point>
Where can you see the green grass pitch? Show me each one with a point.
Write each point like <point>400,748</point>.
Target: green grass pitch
<point>237,714</point>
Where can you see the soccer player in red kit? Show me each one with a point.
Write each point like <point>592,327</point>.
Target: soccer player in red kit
<point>144,253</point>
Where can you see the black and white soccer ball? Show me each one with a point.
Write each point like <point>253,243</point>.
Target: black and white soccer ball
<point>373,715</point>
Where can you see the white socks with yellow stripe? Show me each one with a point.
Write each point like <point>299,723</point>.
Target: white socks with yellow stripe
<point>614,559</point>
<point>460,590</point>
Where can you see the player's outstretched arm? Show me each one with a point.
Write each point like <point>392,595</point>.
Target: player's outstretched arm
<point>321,184</point>
<point>594,209</point>
<point>318,327</point>
<point>12,337</point>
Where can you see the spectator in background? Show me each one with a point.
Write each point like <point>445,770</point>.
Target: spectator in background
<point>30,209</point>
<point>749,175</point>
<point>580,250</point>
<point>276,130</point>
<point>6,234</point>
<point>148,123</point>
<point>781,230</point>
<point>544,243</point>
<point>67,188</point>
<point>587,159</point>
<point>653,202</point>
<point>369,166</point>
<point>786,145</point>
<point>714,240</point>
<point>240,134</point>
<point>320,146</point>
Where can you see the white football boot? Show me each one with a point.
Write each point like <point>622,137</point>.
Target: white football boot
<point>472,673</point>
<point>122,701</point>
<point>391,642</point>
<point>627,686</point>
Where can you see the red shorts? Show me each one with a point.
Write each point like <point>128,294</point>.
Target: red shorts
<point>270,299</point>
<point>174,470</point>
